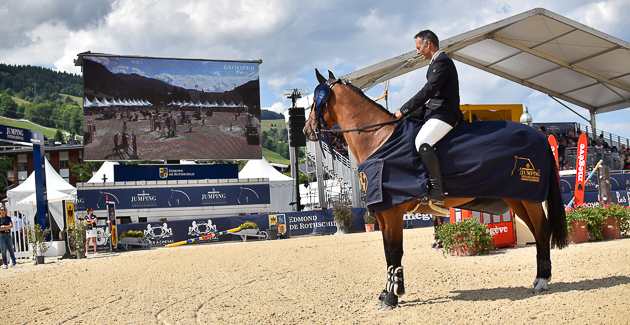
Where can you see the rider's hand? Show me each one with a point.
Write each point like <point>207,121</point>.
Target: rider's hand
<point>398,115</point>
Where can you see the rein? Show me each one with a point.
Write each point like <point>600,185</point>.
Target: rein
<point>359,129</point>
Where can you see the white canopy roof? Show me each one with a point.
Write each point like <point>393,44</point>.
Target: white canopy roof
<point>107,170</point>
<point>53,196</point>
<point>260,168</point>
<point>538,49</point>
<point>53,182</point>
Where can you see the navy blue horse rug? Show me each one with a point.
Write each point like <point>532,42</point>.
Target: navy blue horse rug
<point>486,160</point>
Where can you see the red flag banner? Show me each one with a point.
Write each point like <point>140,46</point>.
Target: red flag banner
<point>580,165</point>
<point>554,148</point>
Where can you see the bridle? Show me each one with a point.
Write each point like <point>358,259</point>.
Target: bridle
<point>317,108</point>
<point>321,96</point>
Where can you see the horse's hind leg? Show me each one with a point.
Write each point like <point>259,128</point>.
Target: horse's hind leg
<point>534,217</point>
<point>543,245</point>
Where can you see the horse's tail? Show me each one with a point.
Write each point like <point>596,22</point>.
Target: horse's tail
<point>555,208</point>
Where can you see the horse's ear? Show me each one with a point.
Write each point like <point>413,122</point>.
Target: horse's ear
<point>331,75</point>
<point>320,78</point>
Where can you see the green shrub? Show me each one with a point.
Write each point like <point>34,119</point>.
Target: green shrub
<point>465,234</point>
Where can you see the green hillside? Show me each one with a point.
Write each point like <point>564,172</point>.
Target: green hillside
<point>279,124</point>
<point>78,100</point>
<point>274,157</point>
<point>19,101</point>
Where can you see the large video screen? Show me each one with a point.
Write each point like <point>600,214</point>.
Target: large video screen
<point>162,109</point>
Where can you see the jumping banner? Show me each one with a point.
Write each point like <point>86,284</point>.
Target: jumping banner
<point>111,219</point>
<point>580,165</point>
<point>554,148</point>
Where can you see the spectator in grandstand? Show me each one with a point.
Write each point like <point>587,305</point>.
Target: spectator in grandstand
<point>626,164</point>
<point>615,153</point>
<point>6,241</point>
<point>543,130</point>
<point>571,134</point>
<point>567,166</point>
<point>560,162</point>
<point>339,147</point>
<point>562,145</point>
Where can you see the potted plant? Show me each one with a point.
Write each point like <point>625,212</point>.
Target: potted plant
<point>369,221</point>
<point>76,233</point>
<point>466,237</point>
<point>37,239</point>
<point>131,236</point>
<point>343,217</point>
<point>577,224</point>
<point>617,221</point>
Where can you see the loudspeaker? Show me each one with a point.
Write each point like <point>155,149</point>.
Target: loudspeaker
<point>296,126</point>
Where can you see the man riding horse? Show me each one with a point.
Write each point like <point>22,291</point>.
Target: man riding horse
<point>438,100</point>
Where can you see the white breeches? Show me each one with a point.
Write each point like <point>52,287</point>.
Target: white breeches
<point>431,132</point>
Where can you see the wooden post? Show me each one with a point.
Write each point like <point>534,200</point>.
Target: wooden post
<point>604,184</point>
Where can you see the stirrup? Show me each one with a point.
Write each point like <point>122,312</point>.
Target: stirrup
<point>439,211</point>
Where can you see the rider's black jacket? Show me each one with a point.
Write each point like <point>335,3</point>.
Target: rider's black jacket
<point>441,91</point>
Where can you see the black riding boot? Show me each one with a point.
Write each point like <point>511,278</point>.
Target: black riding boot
<point>432,166</point>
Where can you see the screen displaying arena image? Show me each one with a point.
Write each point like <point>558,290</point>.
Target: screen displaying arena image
<point>138,108</point>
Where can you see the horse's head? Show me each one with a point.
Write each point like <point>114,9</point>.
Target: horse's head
<point>320,116</point>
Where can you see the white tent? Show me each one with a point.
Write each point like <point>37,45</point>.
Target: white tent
<point>57,189</point>
<point>53,182</point>
<point>107,170</point>
<point>52,195</point>
<point>280,185</point>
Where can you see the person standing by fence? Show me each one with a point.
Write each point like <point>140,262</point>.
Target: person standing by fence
<point>90,220</point>
<point>6,241</point>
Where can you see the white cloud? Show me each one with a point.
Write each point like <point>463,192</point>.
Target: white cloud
<point>290,37</point>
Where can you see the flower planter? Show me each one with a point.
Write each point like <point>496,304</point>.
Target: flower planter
<point>80,254</point>
<point>612,230</point>
<point>39,259</point>
<point>462,251</point>
<point>580,232</point>
<point>369,227</point>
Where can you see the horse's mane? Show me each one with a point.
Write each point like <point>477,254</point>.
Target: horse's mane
<point>360,92</point>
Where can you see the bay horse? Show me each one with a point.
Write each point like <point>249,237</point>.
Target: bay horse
<point>367,126</point>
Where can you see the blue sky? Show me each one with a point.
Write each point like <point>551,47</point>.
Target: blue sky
<point>292,38</point>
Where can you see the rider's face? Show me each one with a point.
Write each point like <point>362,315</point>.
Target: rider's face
<point>423,48</point>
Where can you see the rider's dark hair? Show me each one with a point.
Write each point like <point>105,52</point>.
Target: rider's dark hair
<point>425,35</point>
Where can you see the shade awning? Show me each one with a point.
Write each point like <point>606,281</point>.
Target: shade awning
<point>538,49</point>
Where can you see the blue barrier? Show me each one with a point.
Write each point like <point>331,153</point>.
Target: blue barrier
<point>298,224</point>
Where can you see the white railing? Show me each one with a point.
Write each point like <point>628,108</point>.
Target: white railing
<point>21,216</point>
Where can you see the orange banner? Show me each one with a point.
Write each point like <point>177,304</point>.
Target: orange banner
<point>554,148</point>
<point>580,165</point>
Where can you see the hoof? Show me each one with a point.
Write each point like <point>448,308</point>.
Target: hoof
<point>384,307</point>
<point>540,285</point>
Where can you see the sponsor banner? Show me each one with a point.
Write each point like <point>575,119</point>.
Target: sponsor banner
<point>592,199</point>
<point>554,148</point>
<point>13,134</point>
<point>130,173</point>
<point>176,197</point>
<point>297,223</point>
<point>580,165</point>
<point>556,128</point>
<point>111,216</point>
<point>102,239</point>
<point>618,182</point>
<point>69,214</point>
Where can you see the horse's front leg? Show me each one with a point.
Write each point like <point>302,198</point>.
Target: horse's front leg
<point>391,225</point>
